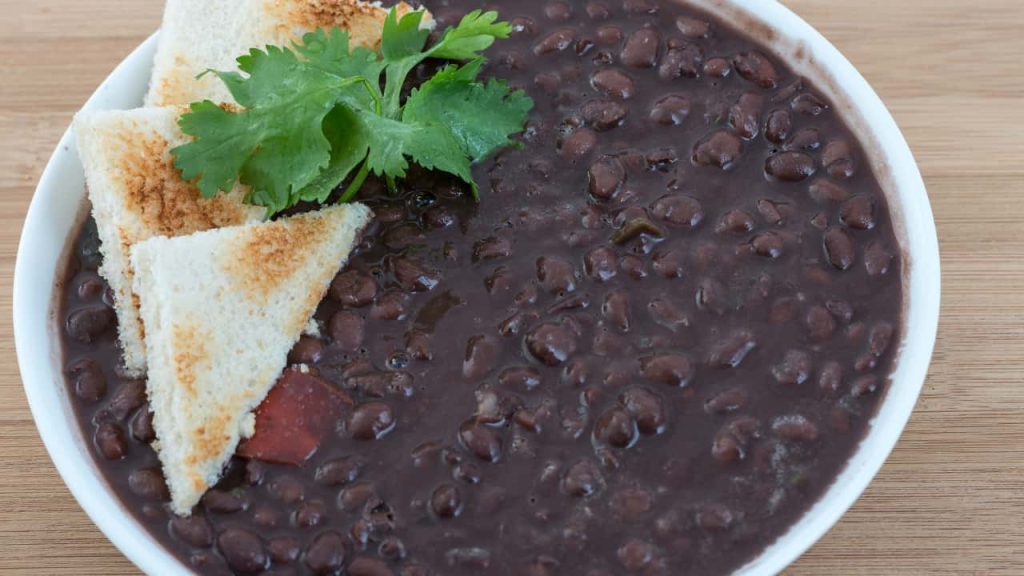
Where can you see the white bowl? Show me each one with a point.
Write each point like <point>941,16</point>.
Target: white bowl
<point>59,200</point>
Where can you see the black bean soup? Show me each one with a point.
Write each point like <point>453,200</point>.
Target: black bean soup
<point>648,350</point>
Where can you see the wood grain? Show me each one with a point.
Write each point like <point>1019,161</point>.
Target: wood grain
<point>950,501</point>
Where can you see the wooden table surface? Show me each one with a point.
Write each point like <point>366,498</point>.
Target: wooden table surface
<point>950,500</point>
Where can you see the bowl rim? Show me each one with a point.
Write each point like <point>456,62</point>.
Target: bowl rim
<point>780,30</point>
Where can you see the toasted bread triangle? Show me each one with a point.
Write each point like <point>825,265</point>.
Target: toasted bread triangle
<point>198,35</point>
<point>222,309</point>
<point>137,193</point>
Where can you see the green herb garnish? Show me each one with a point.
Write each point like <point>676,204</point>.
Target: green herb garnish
<point>314,114</point>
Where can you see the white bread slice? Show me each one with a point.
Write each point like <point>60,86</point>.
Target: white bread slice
<point>136,193</point>
<point>222,309</point>
<point>198,35</point>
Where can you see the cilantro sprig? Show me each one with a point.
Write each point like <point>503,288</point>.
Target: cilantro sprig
<point>314,114</point>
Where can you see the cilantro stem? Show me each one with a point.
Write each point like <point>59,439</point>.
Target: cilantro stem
<point>356,184</point>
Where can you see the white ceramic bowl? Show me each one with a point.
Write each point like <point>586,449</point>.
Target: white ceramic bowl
<point>59,199</point>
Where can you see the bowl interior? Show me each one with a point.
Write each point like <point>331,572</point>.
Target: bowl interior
<point>58,206</point>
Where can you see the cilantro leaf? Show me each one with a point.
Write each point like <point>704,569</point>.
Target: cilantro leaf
<point>480,116</point>
<point>475,33</point>
<point>309,115</point>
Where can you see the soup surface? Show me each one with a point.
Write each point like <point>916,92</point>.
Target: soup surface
<point>648,349</point>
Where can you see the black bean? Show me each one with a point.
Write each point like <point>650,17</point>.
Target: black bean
<point>616,310</point>
<point>339,471</point>
<point>665,312</point>
<point>520,377</point>
<point>353,288</point>
<point>745,115</point>
<point>635,555</point>
<point>681,62</point>
<point>730,351</point>
<point>582,479</point>
<point>308,350</point>
<point>578,144</point>
<point>714,517</point>
<point>355,496</point>
<point>671,110</point>
<point>603,115</point>
<point>805,140</point>
<point>820,323</point>
<point>778,126</point>
<point>522,27</point>
<point>225,502</point>
<point>795,428</point>
<point>668,369</point>
<point>608,35</point>
<point>439,217</point>
<point>692,27</point>
<point>877,259</point>
<point>403,236</point>
<point>89,382</point>
<point>484,442</point>
<point>717,68</point>
<point>662,159</point>
<point>492,248</point>
<point>633,266</point>
<point>556,274</point>
<point>794,369</point>
<point>600,264</point>
<point>824,191</point>
<point>446,501</point>
<point>831,377</point>
<point>88,324</point>
<point>712,296</point>
<point>283,549</point>
<point>768,244</point>
<point>141,425</point>
<point>647,408</point>
<point>110,441</point>
<point>641,48</point>
<point>678,210</point>
<point>552,343</point>
<point>193,530</point>
<point>735,221</point>
<point>598,10</point>
<point>640,6</point>
<point>555,42</point>
<point>757,68</point>
<point>606,177</point>
<point>390,306</point>
<point>148,483</point>
<point>858,212</point>
<point>481,354</point>
<point>720,149</point>
<point>732,441</point>
<point>347,330</point>
<point>371,421</point>
<point>613,82</point>
<point>243,550</point>
<point>287,489</point>
<point>326,554</point>
<point>726,401</point>
<point>790,166</point>
<point>880,338</point>
<point>808,104</point>
<point>378,384</point>
<point>412,275</point>
<point>839,249</point>
<point>558,11</point>
<point>865,385</point>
